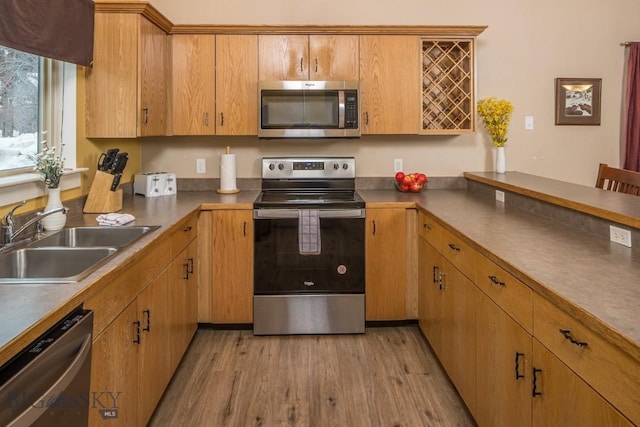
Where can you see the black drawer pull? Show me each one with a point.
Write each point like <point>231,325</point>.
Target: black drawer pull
<point>190,265</point>
<point>426,226</point>
<point>435,274</point>
<point>147,314</point>
<point>567,334</point>
<point>454,247</point>
<point>495,281</point>
<point>187,229</point>
<point>534,390</point>
<point>518,374</point>
<point>136,340</point>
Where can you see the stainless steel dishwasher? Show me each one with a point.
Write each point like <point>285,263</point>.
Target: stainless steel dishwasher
<point>47,384</point>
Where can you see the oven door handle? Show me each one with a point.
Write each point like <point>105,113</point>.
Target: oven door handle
<point>293,213</point>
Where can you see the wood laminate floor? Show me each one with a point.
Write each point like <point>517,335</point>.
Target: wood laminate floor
<point>386,377</point>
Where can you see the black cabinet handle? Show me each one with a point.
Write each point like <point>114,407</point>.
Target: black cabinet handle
<point>136,340</point>
<point>221,119</point>
<point>435,273</point>
<point>206,119</point>
<point>301,64</point>
<point>454,247</point>
<point>366,118</point>
<point>187,229</point>
<point>185,275</point>
<point>518,374</point>
<point>495,281</point>
<point>190,265</point>
<point>374,226</point>
<point>316,65</point>
<point>426,226</point>
<point>567,334</point>
<point>534,390</point>
<point>147,314</point>
<point>145,118</point>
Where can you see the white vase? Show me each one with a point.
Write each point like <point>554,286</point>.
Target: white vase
<point>57,220</point>
<point>501,160</point>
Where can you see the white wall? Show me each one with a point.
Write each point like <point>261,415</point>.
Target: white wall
<point>526,45</point>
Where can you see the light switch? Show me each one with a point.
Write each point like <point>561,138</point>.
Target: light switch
<point>528,122</point>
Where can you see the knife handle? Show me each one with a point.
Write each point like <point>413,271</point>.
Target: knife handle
<point>116,181</point>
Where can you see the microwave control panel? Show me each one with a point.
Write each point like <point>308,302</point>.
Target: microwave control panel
<point>351,109</point>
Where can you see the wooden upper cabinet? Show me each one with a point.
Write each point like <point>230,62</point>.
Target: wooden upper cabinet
<point>193,84</point>
<point>236,85</point>
<point>308,57</point>
<point>126,89</point>
<point>390,84</point>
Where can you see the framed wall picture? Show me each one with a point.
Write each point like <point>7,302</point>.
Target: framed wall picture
<point>578,101</point>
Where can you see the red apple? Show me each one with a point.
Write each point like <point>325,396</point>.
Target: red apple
<point>421,178</point>
<point>399,176</point>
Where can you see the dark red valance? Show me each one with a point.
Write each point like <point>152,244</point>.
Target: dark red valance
<point>58,29</point>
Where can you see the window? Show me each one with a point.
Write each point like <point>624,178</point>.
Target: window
<point>37,94</point>
<point>20,123</point>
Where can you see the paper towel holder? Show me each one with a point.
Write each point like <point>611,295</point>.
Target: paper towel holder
<point>232,191</point>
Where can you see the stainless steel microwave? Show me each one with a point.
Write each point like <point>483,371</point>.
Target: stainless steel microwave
<point>308,109</point>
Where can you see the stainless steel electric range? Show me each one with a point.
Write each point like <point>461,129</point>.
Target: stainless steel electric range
<point>309,248</point>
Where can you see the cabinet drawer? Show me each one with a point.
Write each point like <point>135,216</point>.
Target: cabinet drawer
<point>610,371</point>
<point>183,235</point>
<point>430,229</point>
<point>459,253</point>
<point>513,296</point>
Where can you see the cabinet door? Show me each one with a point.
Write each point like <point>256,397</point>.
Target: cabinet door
<point>390,84</point>
<point>114,372</point>
<point>152,80</point>
<point>283,57</point>
<point>386,272</point>
<point>111,84</point>
<point>334,57</point>
<point>183,296</point>
<point>236,83</point>
<point>154,372</point>
<point>193,84</point>
<point>430,294</point>
<point>561,398</point>
<point>232,266</point>
<point>503,368</point>
<point>460,301</point>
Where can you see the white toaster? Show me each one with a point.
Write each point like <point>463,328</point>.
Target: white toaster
<point>153,184</point>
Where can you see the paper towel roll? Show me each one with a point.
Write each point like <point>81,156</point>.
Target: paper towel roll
<point>228,172</point>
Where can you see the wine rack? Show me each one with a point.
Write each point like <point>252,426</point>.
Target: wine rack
<point>447,86</point>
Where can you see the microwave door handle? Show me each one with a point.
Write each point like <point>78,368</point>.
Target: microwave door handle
<point>340,109</point>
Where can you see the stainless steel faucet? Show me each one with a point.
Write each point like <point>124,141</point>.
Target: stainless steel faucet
<point>8,234</point>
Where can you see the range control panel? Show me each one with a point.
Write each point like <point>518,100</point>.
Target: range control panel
<point>308,167</point>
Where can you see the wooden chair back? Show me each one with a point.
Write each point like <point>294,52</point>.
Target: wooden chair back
<point>620,180</point>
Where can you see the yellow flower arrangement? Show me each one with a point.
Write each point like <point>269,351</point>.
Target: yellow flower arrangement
<point>496,114</point>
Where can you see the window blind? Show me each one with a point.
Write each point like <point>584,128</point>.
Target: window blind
<point>57,29</point>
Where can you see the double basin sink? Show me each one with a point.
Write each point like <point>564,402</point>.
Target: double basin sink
<point>68,255</point>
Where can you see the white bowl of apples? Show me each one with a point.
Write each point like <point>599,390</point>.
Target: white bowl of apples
<point>410,183</point>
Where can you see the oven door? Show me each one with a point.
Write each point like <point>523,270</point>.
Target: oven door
<point>280,268</point>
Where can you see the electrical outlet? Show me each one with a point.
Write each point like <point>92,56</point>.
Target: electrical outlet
<point>500,196</point>
<point>528,122</point>
<point>201,166</point>
<point>397,165</point>
<point>620,235</point>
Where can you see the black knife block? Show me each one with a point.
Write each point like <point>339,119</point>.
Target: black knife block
<point>101,199</point>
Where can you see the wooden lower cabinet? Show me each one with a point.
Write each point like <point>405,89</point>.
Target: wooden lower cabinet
<point>154,371</point>
<point>430,294</point>
<point>385,264</point>
<point>183,307</point>
<point>114,372</point>
<point>564,399</point>
<point>231,261</point>
<point>503,368</point>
